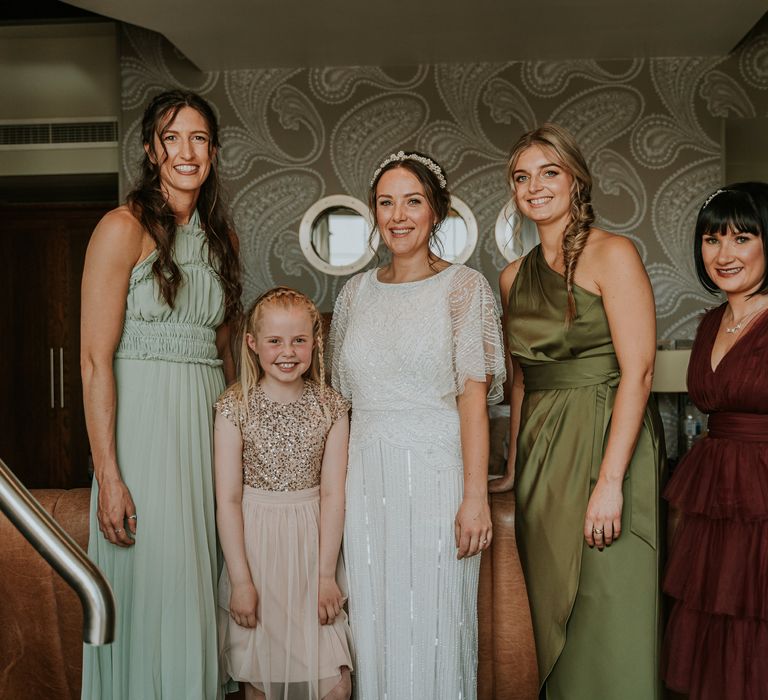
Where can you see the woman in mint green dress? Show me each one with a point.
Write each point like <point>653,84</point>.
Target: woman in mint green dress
<point>581,331</point>
<point>160,286</point>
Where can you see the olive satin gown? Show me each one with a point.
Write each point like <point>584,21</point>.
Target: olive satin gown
<point>595,614</point>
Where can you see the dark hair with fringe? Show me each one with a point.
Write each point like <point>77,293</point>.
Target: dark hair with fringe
<point>741,207</point>
<point>149,203</point>
<point>563,146</point>
<point>439,199</point>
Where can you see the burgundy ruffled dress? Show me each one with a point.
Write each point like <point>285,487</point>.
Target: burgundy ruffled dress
<point>716,645</point>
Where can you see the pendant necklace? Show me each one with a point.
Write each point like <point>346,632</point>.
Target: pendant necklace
<point>737,327</point>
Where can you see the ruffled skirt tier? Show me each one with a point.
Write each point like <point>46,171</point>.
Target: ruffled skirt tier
<point>716,645</point>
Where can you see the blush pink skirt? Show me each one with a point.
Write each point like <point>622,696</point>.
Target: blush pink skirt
<point>289,654</point>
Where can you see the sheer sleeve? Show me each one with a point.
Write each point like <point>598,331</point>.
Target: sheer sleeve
<point>341,314</point>
<point>478,349</point>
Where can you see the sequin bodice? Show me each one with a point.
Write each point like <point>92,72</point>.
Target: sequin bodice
<point>283,443</point>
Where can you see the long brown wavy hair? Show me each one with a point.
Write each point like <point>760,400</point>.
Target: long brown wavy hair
<point>149,203</point>
<point>563,146</point>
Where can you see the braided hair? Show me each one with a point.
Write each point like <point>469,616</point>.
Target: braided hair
<point>251,370</point>
<point>563,146</point>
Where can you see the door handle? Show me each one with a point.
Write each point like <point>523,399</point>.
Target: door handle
<point>53,398</point>
<point>61,377</point>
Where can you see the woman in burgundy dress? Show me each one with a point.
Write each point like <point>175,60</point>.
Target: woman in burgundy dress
<point>716,645</point>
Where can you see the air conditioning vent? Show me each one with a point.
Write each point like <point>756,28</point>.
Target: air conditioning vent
<point>59,133</point>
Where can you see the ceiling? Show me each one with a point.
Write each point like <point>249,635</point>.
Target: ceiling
<point>229,34</point>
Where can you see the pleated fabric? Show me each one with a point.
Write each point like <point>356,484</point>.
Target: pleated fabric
<point>716,642</point>
<point>595,614</point>
<point>168,376</point>
<point>288,655</point>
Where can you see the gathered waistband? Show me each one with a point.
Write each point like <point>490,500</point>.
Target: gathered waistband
<point>571,374</point>
<point>255,495</point>
<point>166,340</point>
<point>751,427</point>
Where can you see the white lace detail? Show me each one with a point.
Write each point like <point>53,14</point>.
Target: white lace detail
<point>447,328</point>
<point>478,350</point>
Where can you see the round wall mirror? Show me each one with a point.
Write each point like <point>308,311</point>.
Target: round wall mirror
<point>513,247</point>
<point>334,235</point>
<point>457,234</point>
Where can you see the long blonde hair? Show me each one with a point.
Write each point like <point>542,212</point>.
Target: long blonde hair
<point>566,151</point>
<point>251,370</point>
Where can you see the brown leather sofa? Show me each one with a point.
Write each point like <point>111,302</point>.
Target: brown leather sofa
<point>41,619</point>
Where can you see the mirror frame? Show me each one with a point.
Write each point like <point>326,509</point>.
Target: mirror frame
<point>463,210</point>
<point>305,234</point>
<point>500,231</point>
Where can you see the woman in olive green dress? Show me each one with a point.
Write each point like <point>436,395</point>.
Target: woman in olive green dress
<point>587,444</point>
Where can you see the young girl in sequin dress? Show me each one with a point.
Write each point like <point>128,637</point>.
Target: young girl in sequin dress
<point>280,439</point>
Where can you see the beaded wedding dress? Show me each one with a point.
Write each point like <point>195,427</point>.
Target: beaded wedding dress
<point>402,353</point>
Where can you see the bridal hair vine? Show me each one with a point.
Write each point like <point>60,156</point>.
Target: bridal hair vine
<point>711,197</point>
<point>402,155</point>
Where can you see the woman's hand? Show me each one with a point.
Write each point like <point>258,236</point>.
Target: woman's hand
<point>472,526</point>
<point>116,512</point>
<point>329,600</point>
<point>243,602</point>
<point>602,524</point>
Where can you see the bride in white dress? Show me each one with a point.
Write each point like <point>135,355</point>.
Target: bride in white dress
<point>416,345</point>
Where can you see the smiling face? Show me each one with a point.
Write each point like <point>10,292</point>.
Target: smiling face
<point>542,187</point>
<point>403,215</point>
<point>182,148</point>
<point>734,260</point>
<point>283,343</point>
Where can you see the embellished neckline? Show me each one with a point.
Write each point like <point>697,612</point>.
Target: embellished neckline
<point>375,276</point>
<point>263,394</point>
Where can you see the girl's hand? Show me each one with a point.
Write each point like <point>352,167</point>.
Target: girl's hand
<point>243,602</point>
<point>116,512</point>
<point>602,524</point>
<point>472,526</point>
<point>329,600</point>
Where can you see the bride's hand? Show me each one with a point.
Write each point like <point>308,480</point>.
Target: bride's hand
<point>472,527</point>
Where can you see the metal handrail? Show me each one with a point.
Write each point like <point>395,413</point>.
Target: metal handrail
<point>63,554</point>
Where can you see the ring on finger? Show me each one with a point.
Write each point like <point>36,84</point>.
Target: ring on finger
<point>597,530</point>
<point>133,517</point>
<point>118,530</point>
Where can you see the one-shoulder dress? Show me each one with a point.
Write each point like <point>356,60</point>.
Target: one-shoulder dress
<point>716,642</point>
<point>168,374</point>
<point>595,614</point>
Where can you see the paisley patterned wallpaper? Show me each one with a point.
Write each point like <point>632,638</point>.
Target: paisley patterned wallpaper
<point>651,130</point>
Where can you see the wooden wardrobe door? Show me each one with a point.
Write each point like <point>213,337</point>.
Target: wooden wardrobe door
<point>42,426</point>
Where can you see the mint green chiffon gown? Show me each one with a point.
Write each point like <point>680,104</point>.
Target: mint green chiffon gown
<point>595,614</point>
<point>168,376</point>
